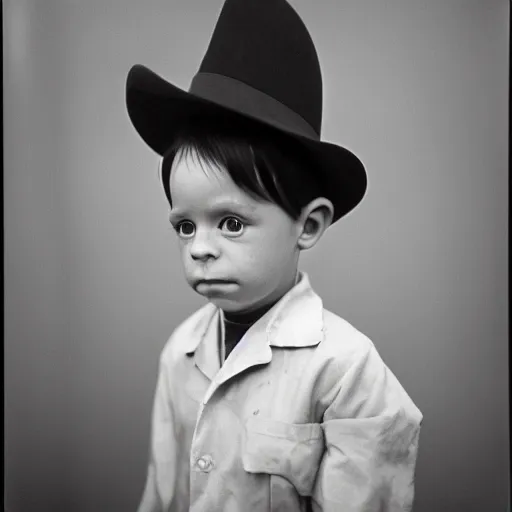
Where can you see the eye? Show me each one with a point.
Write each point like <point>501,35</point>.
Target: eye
<point>232,225</point>
<point>185,229</point>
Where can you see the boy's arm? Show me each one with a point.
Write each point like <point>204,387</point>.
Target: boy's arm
<point>371,443</point>
<point>162,451</point>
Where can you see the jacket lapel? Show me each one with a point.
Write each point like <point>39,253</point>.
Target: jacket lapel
<point>252,350</point>
<point>295,321</point>
<point>205,347</point>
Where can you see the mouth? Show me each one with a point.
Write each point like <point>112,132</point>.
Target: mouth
<point>204,285</point>
<point>213,281</point>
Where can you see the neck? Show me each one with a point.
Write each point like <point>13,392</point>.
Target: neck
<point>248,316</point>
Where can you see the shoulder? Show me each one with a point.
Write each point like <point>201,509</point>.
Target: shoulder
<point>358,361</point>
<point>342,340</point>
<point>187,334</point>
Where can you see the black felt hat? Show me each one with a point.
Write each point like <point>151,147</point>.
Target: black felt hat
<point>261,64</point>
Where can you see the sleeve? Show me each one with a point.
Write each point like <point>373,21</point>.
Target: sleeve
<point>161,474</point>
<point>371,432</point>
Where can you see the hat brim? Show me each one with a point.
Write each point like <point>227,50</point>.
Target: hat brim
<point>157,109</point>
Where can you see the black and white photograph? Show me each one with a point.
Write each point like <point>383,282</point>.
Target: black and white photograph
<point>256,255</point>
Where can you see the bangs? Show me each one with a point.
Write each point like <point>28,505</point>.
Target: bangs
<point>267,170</point>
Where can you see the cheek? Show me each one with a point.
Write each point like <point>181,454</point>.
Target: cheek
<point>280,239</point>
<point>184,255</point>
<point>270,249</point>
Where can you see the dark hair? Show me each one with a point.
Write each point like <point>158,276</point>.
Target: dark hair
<point>266,166</point>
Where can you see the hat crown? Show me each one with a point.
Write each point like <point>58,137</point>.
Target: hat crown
<point>260,67</point>
<point>265,44</point>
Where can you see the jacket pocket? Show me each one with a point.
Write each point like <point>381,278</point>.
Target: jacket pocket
<point>290,450</point>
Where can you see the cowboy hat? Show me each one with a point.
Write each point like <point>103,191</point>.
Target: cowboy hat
<point>260,66</point>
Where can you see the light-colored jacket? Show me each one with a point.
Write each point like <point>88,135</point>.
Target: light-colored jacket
<point>303,415</point>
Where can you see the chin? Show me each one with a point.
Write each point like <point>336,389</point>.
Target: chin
<point>229,306</point>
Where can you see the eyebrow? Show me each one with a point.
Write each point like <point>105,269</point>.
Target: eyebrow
<point>218,207</point>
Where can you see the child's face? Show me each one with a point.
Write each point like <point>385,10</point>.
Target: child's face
<point>249,246</point>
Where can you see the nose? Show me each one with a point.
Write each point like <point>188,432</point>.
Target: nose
<point>203,247</point>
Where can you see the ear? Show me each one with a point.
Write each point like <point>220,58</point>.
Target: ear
<point>315,218</point>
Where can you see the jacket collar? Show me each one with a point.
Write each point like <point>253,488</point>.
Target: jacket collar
<point>296,320</point>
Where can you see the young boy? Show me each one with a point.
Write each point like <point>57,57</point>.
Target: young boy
<point>265,401</point>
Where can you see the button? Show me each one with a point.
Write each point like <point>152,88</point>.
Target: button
<point>205,463</point>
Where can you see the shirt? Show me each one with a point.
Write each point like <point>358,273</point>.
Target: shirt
<point>303,415</point>
<point>235,326</point>
<point>233,333</point>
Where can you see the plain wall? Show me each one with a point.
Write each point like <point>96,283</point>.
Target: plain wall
<point>93,284</point>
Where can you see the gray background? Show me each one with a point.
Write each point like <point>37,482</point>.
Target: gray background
<point>93,286</point>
